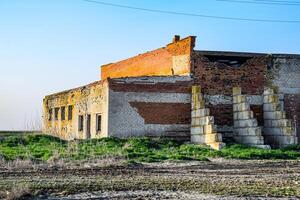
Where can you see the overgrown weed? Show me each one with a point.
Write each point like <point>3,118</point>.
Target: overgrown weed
<point>52,149</point>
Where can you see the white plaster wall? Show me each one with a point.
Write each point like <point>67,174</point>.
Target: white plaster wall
<point>287,74</point>
<point>153,79</point>
<point>125,121</point>
<point>223,99</point>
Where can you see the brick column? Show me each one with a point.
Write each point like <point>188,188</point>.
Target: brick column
<point>203,130</point>
<point>278,130</point>
<point>246,130</point>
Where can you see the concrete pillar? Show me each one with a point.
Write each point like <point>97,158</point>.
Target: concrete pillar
<point>278,130</point>
<point>246,129</point>
<point>203,130</point>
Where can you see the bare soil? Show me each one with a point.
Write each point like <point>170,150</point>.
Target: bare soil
<point>114,179</point>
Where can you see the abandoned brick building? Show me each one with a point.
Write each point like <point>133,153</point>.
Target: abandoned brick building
<point>176,91</point>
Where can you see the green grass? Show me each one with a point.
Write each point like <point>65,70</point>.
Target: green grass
<point>44,147</point>
<point>14,133</point>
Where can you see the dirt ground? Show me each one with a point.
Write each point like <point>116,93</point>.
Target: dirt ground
<point>115,179</point>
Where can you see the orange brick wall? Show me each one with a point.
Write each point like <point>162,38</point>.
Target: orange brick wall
<point>160,62</point>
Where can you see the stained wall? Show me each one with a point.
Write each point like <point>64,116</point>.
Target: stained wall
<point>174,59</point>
<point>285,76</point>
<point>149,94</point>
<point>150,106</point>
<point>219,72</point>
<point>90,100</point>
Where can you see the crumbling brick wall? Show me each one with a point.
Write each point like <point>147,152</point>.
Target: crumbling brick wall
<point>292,108</point>
<point>174,59</point>
<point>285,76</point>
<point>155,99</point>
<point>216,77</point>
<point>218,72</point>
<point>86,100</point>
<point>151,106</point>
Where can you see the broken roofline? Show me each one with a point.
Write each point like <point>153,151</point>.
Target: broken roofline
<point>245,54</point>
<point>173,59</point>
<point>176,38</point>
<point>137,79</point>
<point>53,95</point>
<point>190,40</point>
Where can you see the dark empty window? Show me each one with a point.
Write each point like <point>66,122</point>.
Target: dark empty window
<point>56,113</point>
<point>50,114</point>
<point>80,123</point>
<point>98,122</point>
<point>230,60</point>
<point>70,112</point>
<point>63,113</point>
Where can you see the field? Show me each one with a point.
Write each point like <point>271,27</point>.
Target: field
<point>44,166</point>
<point>16,133</point>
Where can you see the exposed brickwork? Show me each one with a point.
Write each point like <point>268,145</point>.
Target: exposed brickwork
<point>177,87</point>
<point>219,78</point>
<point>89,99</point>
<point>160,61</point>
<point>184,46</point>
<point>223,114</point>
<point>154,63</point>
<point>292,108</point>
<point>163,113</point>
<point>155,99</point>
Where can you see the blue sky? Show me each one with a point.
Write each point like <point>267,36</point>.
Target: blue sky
<point>51,45</point>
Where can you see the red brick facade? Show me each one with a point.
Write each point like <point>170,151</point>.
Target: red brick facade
<point>216,72</point>
<point>164,113</point>
<point>162,87</point>
<point>154,63</point>
<point>292,108</point>
<point>218,78</point>
<point>151,92</point>
<point>223,114</point>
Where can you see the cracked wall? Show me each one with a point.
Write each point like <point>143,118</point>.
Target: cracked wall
<point>150,106</point>
<point>90,100</point>
<point>154,99</point>
<point>219,72</point>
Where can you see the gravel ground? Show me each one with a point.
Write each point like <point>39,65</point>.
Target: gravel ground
<point>158,195</point>
<point>217,179</point>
